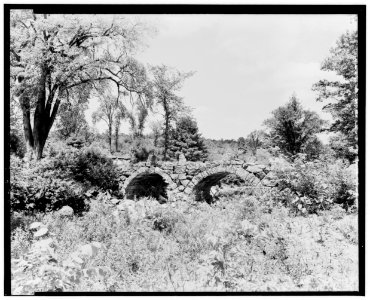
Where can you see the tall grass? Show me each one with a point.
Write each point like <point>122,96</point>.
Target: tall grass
<point>232,246</point>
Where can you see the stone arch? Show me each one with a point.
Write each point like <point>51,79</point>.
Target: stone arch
<point>202,183</point>
<point>148,181</point>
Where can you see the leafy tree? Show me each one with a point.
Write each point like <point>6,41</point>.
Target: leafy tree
<point>71,121</point>
<point>107,110</point>
<point>137,117</point>
<point>166,82</point>
<point>342,95</point>
<point>253,141</point>
<point>292,127</point>
<point>156,128</point>
<point>339,143</point>
<point>187,140</point>
<point>53,55</point>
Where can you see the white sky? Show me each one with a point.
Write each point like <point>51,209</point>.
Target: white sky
<point>246,65</point>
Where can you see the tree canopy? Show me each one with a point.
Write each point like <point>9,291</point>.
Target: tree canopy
<point>166,83</point>
<point>291,128</point>
<point>187,140</point>
<point>52,55</point>
<point>341,95</point>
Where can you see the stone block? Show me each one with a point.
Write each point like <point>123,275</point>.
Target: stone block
<point>255,169</point>
<point>181,188</point>
<point>190,184</point>
<point>180,169</point>
<point>185,182</point>
<point>174,176</point>
<point>172,186</point>
<point>188,191</point>
<point>182,176</point>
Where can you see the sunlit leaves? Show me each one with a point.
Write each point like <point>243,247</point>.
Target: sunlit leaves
<point>342,95</point>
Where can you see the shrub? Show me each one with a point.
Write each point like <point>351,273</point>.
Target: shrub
<point>309,186</point>
<point>86,165</point>
<point>39,194</point>
<point>17,144</point>
<point>97,168</point>
<point>35,189</point>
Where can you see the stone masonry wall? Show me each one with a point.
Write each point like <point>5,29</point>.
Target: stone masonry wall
<point>185,178</point>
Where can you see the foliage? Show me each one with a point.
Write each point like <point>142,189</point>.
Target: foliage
<point>292,128</point>
<point>88,165</point>
<point>343,150</point>
<point>56,57</point>
<point>311,186</point>
<point>221,149</point>
<point>40,269</point>
<point>254,141</point>
<point>186,139</point>
<point>166,83</point>
<point>71,120</point>
<point>141,148</point>
<point>32,191</point>
<point>17,144</point>
<point>234,245</point>
<point>342,95</point>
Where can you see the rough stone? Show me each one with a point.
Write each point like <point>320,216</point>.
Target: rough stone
<point>188,191</point>
<point>66,211</point>
<point>182,176</point>
<point>254,169</point>
<point>114,200</point>
<point>180,169</point>
<point>268,183</point>
<point>185,182</point>
<point>182,159</point>
<point>174,176</point>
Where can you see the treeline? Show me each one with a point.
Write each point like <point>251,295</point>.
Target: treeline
<point>293,130</point>
<point>61,62</point>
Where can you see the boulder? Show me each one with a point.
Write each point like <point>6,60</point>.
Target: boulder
<point>114,200</point>
<point>66,211</point>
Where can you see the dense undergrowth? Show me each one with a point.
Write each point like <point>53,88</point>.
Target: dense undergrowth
<point>237,244</point>
<point>299,236</point>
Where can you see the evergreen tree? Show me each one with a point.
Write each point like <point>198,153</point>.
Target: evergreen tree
<point>293,128</point>
<point>187,140</point>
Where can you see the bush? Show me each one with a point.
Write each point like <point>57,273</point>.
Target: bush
<point>17,144</point>
<point>309,186</point>
<point>87,165</point>
<point>35,189</point>
<point>97,168</point>
<point>39,194</point>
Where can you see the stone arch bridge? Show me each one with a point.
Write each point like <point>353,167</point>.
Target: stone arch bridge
<point>180,179</point>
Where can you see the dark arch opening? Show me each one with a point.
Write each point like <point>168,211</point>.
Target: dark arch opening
<point>147,185</point>
<point>203,191</point>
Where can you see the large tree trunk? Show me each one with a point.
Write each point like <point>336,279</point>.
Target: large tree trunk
<point>44,117</point>
<point>24,103</point>
<point>110,136</point>
<point>118,122</point>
